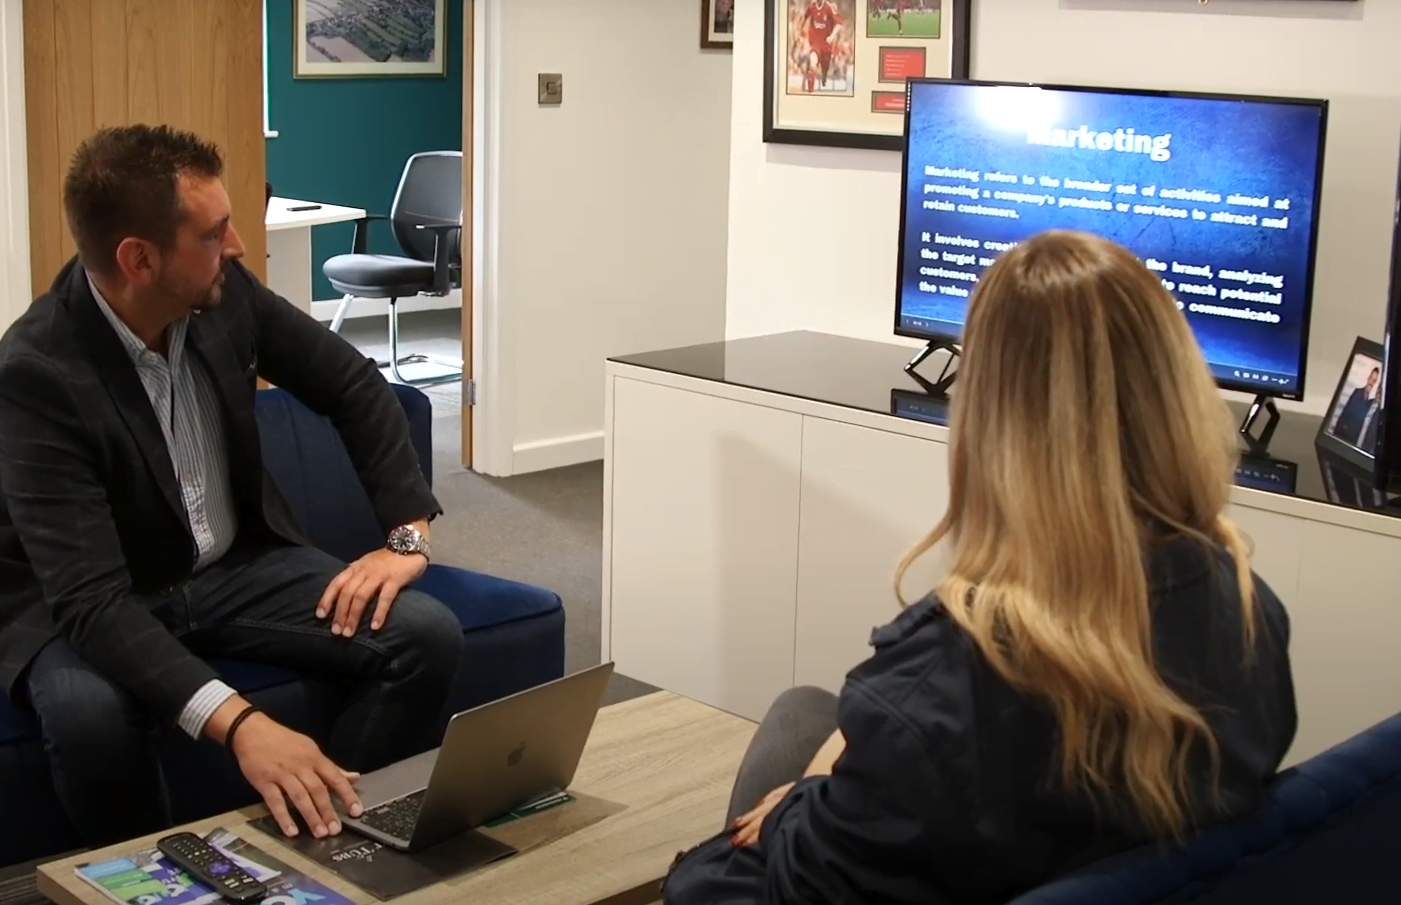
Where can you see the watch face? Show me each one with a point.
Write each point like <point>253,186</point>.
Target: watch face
<point>403,540</point>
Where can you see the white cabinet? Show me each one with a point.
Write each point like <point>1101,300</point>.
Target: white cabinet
<point>290,266</point>
<point>1276,545</point>
<point>703,544</point>
<point>751,537</point>
<point>867,496</point>
<point>1345,634</point>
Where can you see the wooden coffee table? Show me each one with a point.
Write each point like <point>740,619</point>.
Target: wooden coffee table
<point>667,762</point>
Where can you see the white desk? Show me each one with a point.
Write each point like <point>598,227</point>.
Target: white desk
<point>289,245</point>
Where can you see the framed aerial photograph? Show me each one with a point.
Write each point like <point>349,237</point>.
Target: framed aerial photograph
<point>369,38</point>
<point>717,24</point>
<point>835,70</point>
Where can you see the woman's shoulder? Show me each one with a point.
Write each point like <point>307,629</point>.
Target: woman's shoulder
<point>1211,648</point>
<point>1194,575</point>
<point>921,648</point>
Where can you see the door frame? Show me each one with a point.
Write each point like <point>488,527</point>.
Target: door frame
<point>487,425</point>
<point>15,278</point>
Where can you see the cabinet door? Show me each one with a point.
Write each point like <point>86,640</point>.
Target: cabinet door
<point>867,497</point>
<point>704,544</point>
<point>1345,643</point>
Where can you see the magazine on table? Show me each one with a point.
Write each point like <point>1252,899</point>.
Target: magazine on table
<point>147,877</point>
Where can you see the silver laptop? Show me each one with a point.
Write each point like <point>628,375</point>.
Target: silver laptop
<point>494,758</point>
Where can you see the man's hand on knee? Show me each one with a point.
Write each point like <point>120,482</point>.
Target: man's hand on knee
<point>286,766</point>
<point>378,576</point>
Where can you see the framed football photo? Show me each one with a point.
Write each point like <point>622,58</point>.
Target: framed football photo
<point>835,70</point>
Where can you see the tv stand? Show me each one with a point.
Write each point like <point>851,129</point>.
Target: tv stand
<point>940,387</point>
<point>1259,443</point>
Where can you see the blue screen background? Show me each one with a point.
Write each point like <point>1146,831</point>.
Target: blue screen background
<point>1223,146</point>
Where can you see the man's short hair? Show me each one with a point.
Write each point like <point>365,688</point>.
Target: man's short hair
<point>123,182</point>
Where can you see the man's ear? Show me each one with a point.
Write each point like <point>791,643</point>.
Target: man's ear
<point>138,260</point>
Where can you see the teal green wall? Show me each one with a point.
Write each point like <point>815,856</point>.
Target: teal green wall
<point>344,141</point>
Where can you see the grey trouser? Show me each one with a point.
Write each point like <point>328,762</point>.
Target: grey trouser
<point>798,722</point>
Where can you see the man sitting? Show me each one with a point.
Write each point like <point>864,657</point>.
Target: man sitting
<point>140,533</point>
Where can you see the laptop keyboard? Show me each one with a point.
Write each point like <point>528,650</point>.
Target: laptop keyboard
<point>396,818</point>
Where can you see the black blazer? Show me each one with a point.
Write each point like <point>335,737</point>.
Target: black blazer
<point>1348,427</point>
<point>948,792</point>
<point>91,511</point>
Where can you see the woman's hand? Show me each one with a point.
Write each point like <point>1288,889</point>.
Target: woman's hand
<point>746,829</point>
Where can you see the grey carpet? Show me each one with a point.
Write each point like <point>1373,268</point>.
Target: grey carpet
<point>544,528</point>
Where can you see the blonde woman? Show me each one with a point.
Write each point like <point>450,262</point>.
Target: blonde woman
<point>1099,668</point>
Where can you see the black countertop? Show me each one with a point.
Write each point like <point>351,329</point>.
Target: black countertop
<point>866,375</point>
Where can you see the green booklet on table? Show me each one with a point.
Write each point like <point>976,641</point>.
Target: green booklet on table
<point>147,877</point>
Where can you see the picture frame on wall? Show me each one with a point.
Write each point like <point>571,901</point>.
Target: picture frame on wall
<point>850,91</point>
<point>369,38</point>
<point>1350,425</point>
<point>717,24</point>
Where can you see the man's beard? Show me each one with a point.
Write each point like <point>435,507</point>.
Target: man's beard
<point>210,299</point>
<point>183,298</point>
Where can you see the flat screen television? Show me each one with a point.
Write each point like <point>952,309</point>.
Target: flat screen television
<point>1218,194</point>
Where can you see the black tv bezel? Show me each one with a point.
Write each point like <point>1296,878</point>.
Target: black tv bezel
<point>1307,317</point>
<point>1386,477</point>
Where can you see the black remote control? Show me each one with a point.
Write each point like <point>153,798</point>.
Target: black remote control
<point>212,867</point>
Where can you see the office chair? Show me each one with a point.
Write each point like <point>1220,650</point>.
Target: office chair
<point>426,218</point>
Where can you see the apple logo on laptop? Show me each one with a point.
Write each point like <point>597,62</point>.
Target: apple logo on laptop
<point>515,756</point>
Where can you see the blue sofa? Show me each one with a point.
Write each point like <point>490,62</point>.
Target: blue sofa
<point>514,639</point>
<point>1330,833</point>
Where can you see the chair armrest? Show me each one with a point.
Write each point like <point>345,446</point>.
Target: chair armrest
<point>442,252</point>
<point>362,233</point>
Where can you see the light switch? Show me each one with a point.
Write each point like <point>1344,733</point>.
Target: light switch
<point>551,89</point>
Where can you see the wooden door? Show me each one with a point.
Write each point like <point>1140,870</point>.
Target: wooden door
<point>192,64</point>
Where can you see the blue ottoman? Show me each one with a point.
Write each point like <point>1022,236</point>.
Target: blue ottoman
<point>514,636</point>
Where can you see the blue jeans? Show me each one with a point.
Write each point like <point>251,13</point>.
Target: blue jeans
<point>254,604</point>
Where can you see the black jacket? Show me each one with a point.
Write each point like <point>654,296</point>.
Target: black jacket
<point>948,790</point>
<point>91,512</point>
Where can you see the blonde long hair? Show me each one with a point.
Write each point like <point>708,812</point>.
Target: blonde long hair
<point>1084,424</point>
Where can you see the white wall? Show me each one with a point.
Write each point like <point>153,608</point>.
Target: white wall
<point>15,289</point>
<point>1346,52</point>
<point>611,209</point>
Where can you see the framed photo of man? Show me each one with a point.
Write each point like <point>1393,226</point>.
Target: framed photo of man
<point>835,70</point>
<point>1349,428</point>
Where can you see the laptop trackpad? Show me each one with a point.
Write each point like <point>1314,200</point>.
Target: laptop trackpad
<point>396,780</point>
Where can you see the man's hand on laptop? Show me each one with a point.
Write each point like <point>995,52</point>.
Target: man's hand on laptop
<point>286,766</point>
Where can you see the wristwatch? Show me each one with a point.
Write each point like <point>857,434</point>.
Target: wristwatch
<point>407,540</point>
